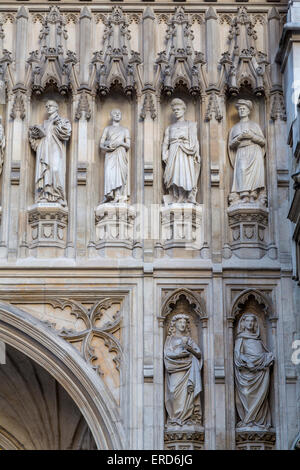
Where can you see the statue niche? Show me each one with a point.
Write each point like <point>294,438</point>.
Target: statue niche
<point>48,216</point>
<point>253,360</point>
<point>48,141</point>
<point>180,154</point>
<point>247,212</point>
<point>246,151</point>
<point>183,361</point>
<point>115,141</point>
<point>114,216</point>
<point>252,363</point>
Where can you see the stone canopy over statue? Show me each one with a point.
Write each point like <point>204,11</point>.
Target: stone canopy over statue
<point>252,362</point>
<point>183,363</point>
<point>115,141</point>
<point>180,153</point>
<point>49,142</point>
<point>246,151</point>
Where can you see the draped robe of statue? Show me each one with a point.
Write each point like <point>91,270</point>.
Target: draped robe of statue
<point>116,162</point>
<point>2,145</point>
<point>183,382</point>
<point>247,157</point>
<point>252,362</point>
<point>50,172</point>
<point>180,153</point>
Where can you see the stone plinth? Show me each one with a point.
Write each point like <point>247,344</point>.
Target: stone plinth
<point>184,438</point>
<point>181,229</point>
<point>248,222</point>
<point>114,229</point>
<point>255,439</point>
<point>48,224</point>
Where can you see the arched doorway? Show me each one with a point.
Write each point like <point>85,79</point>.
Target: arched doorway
<point>36,412</point>
<point>38,342</point>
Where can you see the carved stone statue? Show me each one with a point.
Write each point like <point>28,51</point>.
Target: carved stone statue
<point>48,140</point>
<point>2,145</point>
<point>252,362</point>
<point>183,363</point>
<point>246,142</point>
<point>180,153</point>
<point>115,141</point>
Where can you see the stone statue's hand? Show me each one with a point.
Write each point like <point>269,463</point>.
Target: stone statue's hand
<point>246,135</point>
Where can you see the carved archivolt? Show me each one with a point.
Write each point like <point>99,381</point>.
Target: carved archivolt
<point>179,64</point>
<point>213,108</point>
<point>243,64</point>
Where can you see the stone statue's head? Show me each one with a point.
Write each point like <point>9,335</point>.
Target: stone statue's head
<point>116,115</point>
<point>244,107</point>
<point>249,322</point>
<point>51,106</point>
<point>180,322</point>
<point>178,107</point>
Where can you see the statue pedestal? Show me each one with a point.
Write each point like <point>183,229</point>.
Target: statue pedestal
<point>251,439</point>
<point>184,437</point>
<point>248,222</point>
<point>115,229</point>
<point>48,222</point>
<point>181,229</point>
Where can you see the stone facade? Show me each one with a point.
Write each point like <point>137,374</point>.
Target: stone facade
<point>94,282</point>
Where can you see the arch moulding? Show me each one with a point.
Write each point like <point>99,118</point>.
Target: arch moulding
<point>33,338</point>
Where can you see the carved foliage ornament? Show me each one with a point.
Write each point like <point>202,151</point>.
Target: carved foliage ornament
<point>83,108</point>
<point>53,63</point>
<point>148,107</point>
<point>278,107</point>
<point>90,316</point>
<point>213,108</point>
<point>179,64</point>
<point>116,63</point>
<point>243,64</point>
<point>18,107</point>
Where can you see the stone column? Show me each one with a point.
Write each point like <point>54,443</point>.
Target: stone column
<point>85,45</point>
<point>21,45</point>
<point>213,141</point>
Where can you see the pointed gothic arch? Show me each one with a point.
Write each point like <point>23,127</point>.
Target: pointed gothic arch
<point>196,303</point>
<point>263,301</point>
<point>36,340</point>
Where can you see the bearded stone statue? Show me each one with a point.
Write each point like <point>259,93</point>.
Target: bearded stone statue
<point>49,142</point>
